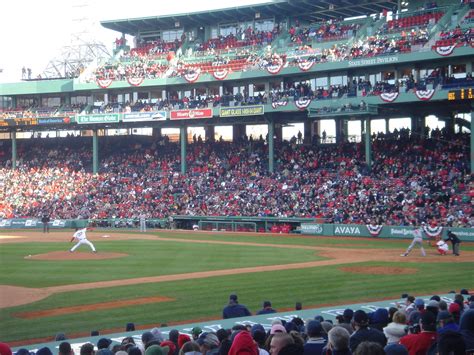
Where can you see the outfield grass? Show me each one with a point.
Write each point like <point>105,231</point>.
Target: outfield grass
<point>204,298</point>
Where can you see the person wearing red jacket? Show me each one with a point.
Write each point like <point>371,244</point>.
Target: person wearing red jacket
<point>418,344</point>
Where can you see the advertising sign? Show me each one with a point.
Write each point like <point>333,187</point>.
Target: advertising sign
<point>242,111</point>
<point>144,116</point>
<point>54,120</point>
<point>191,114</point>
<point>98,118</point>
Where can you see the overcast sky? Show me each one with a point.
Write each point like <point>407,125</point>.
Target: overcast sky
<point>34,32</point>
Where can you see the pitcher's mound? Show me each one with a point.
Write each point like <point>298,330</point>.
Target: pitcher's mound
<point>77,255</point>
<point>379,270</point>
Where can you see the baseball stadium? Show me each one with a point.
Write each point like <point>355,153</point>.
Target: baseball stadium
<point>289,177</point>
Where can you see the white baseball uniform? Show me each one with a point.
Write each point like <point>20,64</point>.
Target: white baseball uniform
<point>81,238</point>
<point>417,240</point>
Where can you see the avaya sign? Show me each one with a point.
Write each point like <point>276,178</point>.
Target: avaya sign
<point>191,114</point>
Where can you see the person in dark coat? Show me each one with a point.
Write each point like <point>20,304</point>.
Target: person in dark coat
<point>455,241</point>
<point>234,309</point>
<point>45,220</point>
<point>363,332</point>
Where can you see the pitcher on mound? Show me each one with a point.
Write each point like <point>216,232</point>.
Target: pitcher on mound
<point>81,237</point>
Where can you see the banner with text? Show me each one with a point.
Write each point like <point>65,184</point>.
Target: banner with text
<point>242,111</point>
<point>98,118</point>
<point>144,116</point>
<point>191,114</point>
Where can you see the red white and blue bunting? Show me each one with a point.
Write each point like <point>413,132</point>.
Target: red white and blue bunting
<point>302,103</point>
<point>276,104</point>
<point>389,96</point>
<point>305,65</point>
<point>104,83</point>
<point>445,50</point>
<point>192,75</point>
<point>424,95</point>
<point>220,74</point>
<point>432,232</point>
<point>275,68</point>
<point>135,81</point>
<point>374,229</point>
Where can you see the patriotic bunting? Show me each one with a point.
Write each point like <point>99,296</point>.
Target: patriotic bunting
<point>305,65</point>
<point>135,81</point>
<point>389,97</point>
<point>104,83</point>
<point>374,229</point>
<point>445,50</point>
<point>424,95</point>
<point>275,68</point>
<point>432,232</point>
<point>191,77</point>
<point>302,103</point>
<point>220,74</point>
<point>276,104</point>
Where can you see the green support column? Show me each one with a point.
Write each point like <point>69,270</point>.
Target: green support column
<point>368,146</point>
<point>183,137</point>
<point>472,139</point>
<point>95,152</point>
<point>13,135</point>
<point>271,133</point>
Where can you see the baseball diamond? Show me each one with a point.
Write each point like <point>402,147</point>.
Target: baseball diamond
<point>151,271</point>
<point>225,180</point>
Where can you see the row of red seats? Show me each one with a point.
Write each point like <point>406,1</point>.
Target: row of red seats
<point>412,21</point>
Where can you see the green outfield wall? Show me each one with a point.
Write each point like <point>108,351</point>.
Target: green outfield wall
<point>305,226</point>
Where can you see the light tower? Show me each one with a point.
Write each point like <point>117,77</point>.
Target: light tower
<point>83,49</point>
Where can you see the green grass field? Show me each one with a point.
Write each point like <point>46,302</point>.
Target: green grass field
<point>204,298</point>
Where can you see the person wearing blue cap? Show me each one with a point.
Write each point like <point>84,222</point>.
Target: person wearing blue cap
<point>316,342</point>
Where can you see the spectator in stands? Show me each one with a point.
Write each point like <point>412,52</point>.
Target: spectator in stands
<point>338,341</point>
<point>315,342</point>
<point>65,348</point>
<point>466,328</point>
<point>279,341</point>
<point>87,349</point>
<point>243,344</point>
<point>234,309</point>
<point>397,329</point>
<point>369,348</point>
<point>451,342</point>
<point>421,342</point>
<point>208,343</point>
<point>363,332</point>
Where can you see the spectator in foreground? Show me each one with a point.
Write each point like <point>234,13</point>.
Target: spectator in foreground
<point>338,341</point>
<point>421,342</point>
<point>363,332</point>
<point>397,329</point>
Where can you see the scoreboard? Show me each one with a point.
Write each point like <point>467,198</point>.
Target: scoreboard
<point>461,94</point>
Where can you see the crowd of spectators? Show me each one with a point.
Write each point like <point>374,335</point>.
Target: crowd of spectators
<point>331,30</point>
<point>411,180</point>
<point>435,326</point>
<point>151,60</point>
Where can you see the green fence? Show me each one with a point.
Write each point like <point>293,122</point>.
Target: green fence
<point>359,230</point>
<point>305,226</point>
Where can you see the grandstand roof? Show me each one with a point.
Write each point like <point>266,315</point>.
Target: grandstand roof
<point>309,10</point>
